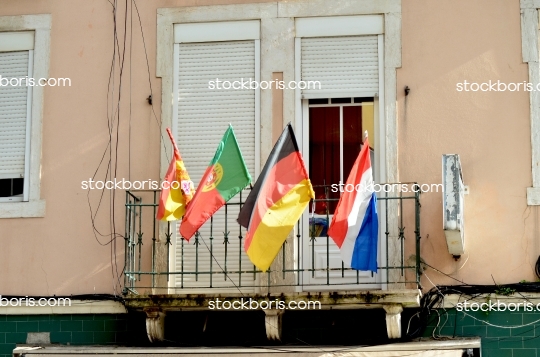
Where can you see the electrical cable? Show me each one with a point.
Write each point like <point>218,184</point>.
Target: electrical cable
<point>114,120</point>
<point>537,267</point>
<point>114,99</point>
<point>111,167</point>
<point>242,293</point>
<point>150,81</point>
<point>434,299</point>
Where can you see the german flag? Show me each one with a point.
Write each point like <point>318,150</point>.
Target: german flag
<point>276,201</point>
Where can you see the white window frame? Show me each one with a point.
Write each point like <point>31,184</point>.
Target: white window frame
<point>11,42</point>
<point>278,55</point>
<point>529,46</point>
<point>315,27</point>
<point>390,42</point>
<point>32,204</point>
<point>368,280</point>
<point>199,32</point>
<point>349,26</point>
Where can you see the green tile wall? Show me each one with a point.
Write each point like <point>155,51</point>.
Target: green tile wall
<point>496,341</point>
<point>119,329</point>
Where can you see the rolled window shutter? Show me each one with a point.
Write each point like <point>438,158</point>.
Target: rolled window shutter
<point>13,114</point>
<point>203,117</point>
<point>345,66</point>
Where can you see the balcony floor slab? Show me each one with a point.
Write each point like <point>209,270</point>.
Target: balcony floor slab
<point>328,300</point>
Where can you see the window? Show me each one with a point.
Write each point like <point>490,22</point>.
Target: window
<point>284,27</point>
<point>24,53</point>
<point>347,60</point>
<point>210,59</point>
<point>16,59</point>
<point>336,130</point>
<point>530,52</point>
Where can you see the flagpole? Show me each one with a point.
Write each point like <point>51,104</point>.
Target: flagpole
<point>172,140</point>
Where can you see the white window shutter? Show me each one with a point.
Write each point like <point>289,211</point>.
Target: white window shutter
<point>202,117</point>
<point>14,114</point>
<point>345,66</point>
<point>204,114</point>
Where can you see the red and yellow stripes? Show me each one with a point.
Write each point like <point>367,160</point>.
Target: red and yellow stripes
<point>276,202</point>
<point>178,191</point>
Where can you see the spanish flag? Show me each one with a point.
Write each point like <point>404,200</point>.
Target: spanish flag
<point>178,189</point>
<point>226,175</point>
<point>276,202</point>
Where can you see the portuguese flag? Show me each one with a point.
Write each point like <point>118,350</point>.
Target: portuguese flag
<point>276,202</point>
<point>178,192</point>
<point>226,175</point>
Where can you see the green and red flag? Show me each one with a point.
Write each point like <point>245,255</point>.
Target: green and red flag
<point>226,175</point>
<point>178,190</point>
<point>276,202</point>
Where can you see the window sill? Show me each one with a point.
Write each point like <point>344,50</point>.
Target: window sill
<point>22,209</point>
<point>533,196</point>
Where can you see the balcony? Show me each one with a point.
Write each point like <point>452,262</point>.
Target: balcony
<point>164,272</point>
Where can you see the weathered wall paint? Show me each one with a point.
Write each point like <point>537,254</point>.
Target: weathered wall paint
<point>443,43</point>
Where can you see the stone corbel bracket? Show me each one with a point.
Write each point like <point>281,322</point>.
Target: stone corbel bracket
<point>273,324</point>
<point>393,320</point>
<point>155,324</point>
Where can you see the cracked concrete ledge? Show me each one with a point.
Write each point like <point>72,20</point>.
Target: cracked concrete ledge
<point>328,300</point>
<point>77,307</point>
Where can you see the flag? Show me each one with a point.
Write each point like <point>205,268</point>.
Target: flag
<point>276,202</point>
<point>355,224</point>
<point>226,175</point>
<point>178,192</point>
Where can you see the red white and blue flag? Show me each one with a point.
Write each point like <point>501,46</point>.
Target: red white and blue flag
<point>355,224</point>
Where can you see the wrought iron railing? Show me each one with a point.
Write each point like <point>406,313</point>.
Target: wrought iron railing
<point>158,260</point>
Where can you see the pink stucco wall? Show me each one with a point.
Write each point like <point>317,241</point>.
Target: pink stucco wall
<point>58,254</point>
<point>443,43</point>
